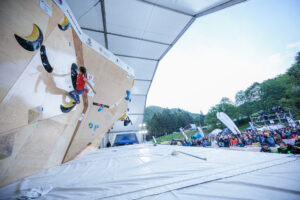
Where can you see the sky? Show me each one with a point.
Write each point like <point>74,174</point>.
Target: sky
<point>227,51</point>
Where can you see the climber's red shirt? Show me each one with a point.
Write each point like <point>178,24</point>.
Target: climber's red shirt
<point>80,83</point>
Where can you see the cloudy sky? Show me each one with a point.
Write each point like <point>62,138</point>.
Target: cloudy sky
<point>227,51</point>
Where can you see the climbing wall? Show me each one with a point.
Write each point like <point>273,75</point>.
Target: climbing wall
<point>107,77</point>
<point>34,132</point>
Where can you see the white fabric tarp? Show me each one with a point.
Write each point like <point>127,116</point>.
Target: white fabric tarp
<point>147,171</point>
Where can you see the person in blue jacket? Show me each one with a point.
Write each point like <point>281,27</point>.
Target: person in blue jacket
<point>206,142</point>
<point>267,139</point>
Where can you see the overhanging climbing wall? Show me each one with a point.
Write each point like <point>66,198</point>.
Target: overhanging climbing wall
<point>39,44</point>
<point>141,32</point>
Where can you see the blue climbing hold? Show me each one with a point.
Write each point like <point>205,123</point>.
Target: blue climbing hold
<point>127,98</point>
<point>96,126</point>
<point>100,108</point>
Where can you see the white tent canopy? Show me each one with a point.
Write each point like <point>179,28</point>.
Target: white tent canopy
<point>140,32</point>
<point>215,132</point>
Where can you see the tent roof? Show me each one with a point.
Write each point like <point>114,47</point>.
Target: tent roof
<point>140,32</point>
<point>151,172</point>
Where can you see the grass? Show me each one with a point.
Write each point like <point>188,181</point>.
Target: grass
<point>244,126</point>
<point>178,136</point>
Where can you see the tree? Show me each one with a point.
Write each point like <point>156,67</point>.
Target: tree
<point>253,92</point>
<point>211,117</point>
<point>226,100</point>
<point>293,93</point>
<point>169,122</point>
<point>248,108</point>
<point>153,125</point>
<point>199,119</point>
<point>183,118</point>
<point>272,91</point>
<point>150,111</point>
<point>165,121</point>
<point>240,98</point>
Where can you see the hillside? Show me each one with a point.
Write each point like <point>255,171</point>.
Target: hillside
<point>151,110</point>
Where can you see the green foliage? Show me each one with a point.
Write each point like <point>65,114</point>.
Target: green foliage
<point>252,93</point>
<point>211,117</point>
<point>226,100</point>
<point>294,71</point>
<point>273,90</point>
<point>243,127</point>
<point>199,119</point>
<point>240,97</point>
<point>165,121</point>
<point>150,111</point>
<point>293,94</point>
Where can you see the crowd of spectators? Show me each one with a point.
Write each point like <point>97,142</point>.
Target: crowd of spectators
<point>267,140</point>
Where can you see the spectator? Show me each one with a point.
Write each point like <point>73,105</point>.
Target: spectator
<point>253,138</point>
<point>271,132</point>
<point>265,148</point>
<point>173,142</point>
<point>199,142</point>
<point>240,143</point>
<point>282,149</point>
<point>186,143</point>
<point>277,138</point>
<point>221,142</point>
<point>233,141</point>
<point>214,143</point>
<point>297,130</point>
<point>247,141</point>
<point>108,144</point>
<point>259,137</point>
<point>226,141</point>
<point>294,133</point>
<point>268,140</point>
<point>206,142</point>
<point>194,143</point>
<point>296,146</point>
<point>287,134</point>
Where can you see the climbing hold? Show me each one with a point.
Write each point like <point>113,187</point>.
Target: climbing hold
<point>100,108</point>
<point>45,60</point>
<point>74,73</point>
<point>35,124</point>
<point>33,41</point>
<point>64,25</point>
<point>127,98</point>
<point>91,125</point>
<point>96,126</point>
